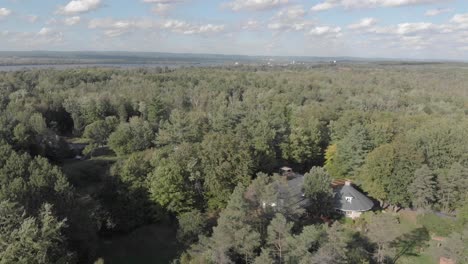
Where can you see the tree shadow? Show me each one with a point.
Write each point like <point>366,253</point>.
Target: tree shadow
<point>409,244</point>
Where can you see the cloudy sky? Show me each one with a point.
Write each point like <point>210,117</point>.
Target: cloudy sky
<point>425,29</point>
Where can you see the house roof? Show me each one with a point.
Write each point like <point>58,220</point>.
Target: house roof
<point>293,190</point>
<point>347,198</point>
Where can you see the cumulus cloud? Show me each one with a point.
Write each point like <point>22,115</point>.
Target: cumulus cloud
<point>325,31</point>
<point>44,31</point>
<point>255,5</point>
<point>460,19</point>
<point>437,11</point>
<point>186,28</point>
<point>163,6</point>
<point>291,13</point>
<point>45,37</point>
<point>70,21</point>
<point>290,19</point>
<point>251,25</point>
<point>79,6</point>
<point>4,12</point>
<point>115,28</point>
<point>329,4</point>
<point>363,23</point>
<point>49,35</point>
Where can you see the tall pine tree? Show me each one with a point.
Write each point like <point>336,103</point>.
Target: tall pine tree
<point>423,188</point>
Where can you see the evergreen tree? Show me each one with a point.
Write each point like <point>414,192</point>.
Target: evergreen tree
<point>317,188</point>
<point>352,151</point>
<point>226,161</point>
<point>279,238</point>
<point>29,239</point>
<point>264,258</point>
<point>452,186</point>
<point>423,188</point>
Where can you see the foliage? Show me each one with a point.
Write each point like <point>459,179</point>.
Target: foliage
<point>191,225</point>
<point>317,188</point>
<point>131,137</point>
<point>31,239</point>
<point>423,188</point>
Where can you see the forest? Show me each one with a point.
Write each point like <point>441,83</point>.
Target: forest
<point>97,162</point>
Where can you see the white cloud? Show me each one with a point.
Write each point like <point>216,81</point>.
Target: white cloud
<point>163,6</point>
<point>255,5</point>
<point>31,18</point>
<point>329,4</point>
<point>281,26</point>
<point>70,21</point>
<point>290,19</point>
<point>45,37</point>
<point>438,11</point>
<point>44,31</point>
<point>291,13</point>
<point>4,12</point>
<point>460,19</point>
<point>48,35</point>
<point>412,28</point>
<point>186,28</point>
<point>79,6</point>
<point>251,25</point>
<point>115,28</point>
<point>364,23</point>
<point>325,30</point>
<point>324,6</point>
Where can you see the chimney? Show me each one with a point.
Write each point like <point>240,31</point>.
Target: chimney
<point>348,183</point>
<point>286,172</point>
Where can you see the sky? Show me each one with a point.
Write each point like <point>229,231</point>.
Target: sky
<point>413,29</point>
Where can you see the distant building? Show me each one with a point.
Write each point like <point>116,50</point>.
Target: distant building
<point>351,202</point>
<point>347,199</point>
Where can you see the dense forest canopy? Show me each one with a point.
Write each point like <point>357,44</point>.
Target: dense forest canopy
<point>204,144</point>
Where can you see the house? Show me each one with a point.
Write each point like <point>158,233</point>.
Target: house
<point>350,201</point>
<point>290,190</point>
<point>347,199</point>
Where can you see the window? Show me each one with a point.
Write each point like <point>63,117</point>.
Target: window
<point>349,199</point>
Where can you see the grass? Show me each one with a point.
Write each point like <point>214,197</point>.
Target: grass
<point>150,244</point>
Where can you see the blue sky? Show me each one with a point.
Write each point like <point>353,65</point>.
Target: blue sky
<point>422,29</point>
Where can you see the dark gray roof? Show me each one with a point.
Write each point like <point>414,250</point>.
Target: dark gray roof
<point>293,190</point>
<point>358,202</point>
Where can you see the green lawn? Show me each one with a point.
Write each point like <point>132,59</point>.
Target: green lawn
<point>150,244</point>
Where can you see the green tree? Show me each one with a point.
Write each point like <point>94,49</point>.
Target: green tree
<point>191,225</point>
<point>306,243</point>
<point>423,188</point>
<point>175,182</point>
<point>131,137</point>
<point>156,111</point>
<point>452,186</point>
<point>317,188</point>
<point>382,230</point>
<point>377,172</point>
<point>334,249</point>
<point>352,151</point>
<point>279,238</point>
<point>99,131</point>
<point>303,143</point>
<point>226,161</point>
<point>31,239</point>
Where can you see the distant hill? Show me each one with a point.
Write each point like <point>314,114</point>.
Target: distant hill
<point>119,57</point>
